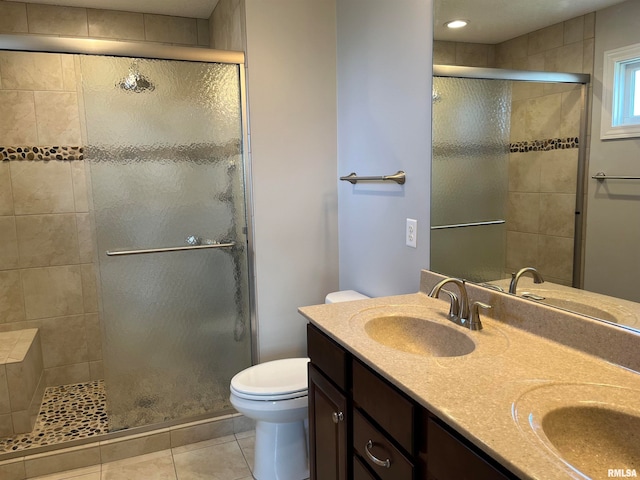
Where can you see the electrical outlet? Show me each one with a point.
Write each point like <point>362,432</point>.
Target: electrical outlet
<point>411,236</point>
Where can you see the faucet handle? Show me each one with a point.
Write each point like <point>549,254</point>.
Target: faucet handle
<point>474,322</point>
<point>454,308</point>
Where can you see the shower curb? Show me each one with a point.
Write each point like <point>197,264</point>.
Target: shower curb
<point>125,446</point>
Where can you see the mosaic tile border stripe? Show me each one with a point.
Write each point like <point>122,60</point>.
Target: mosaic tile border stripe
<point>48,153</point>
<point>544,145</point>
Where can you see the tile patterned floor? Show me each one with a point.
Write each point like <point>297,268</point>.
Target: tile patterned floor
<point>68,412</point>
<point>224,458</point>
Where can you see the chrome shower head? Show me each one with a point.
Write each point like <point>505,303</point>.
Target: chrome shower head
<point>135,82</point>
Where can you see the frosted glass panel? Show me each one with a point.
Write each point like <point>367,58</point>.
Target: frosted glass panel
<point>471,120</point>
<point>166,164</point>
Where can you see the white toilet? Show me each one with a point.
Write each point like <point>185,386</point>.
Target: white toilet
<point>274,394</point>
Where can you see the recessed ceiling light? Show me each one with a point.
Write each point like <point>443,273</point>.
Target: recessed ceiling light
<point>456,24</point>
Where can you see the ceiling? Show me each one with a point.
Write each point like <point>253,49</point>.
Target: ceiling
<point>494,21</point>
<point>178,8</point>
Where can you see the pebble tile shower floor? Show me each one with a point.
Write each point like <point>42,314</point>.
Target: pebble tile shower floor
<point>68,412</point>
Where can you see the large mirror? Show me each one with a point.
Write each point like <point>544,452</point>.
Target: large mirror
<point>513,161</point>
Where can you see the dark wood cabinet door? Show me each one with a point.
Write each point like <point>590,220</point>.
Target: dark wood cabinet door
<point>328,420</point>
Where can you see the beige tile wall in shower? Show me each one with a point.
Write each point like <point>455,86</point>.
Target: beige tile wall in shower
<point>17,17</point>
<point>47,276</point>
<point>541,201</point>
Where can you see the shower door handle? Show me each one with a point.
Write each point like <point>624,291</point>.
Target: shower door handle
<point>114,253</point>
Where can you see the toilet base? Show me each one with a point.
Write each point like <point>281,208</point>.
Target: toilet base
<point>281,451</point>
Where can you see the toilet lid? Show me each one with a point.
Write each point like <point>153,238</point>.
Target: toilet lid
<point>276,379</point>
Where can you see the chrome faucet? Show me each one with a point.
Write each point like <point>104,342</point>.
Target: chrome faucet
<point>537,278</point>
<point>459,313</point>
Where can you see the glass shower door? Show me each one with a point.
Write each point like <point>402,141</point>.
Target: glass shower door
<point>164,142</point>
<point>471,120</point>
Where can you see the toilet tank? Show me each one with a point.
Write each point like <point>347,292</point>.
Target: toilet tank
<point>344,296</point>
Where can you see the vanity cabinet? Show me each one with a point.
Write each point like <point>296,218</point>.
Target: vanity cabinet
<point>361,427</point>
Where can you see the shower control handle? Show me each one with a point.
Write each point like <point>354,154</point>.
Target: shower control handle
<point>337,417</point>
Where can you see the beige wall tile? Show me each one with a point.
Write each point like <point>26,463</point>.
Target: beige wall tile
<point>45,240</point>
<point>556,257</point>
<point>523,212</point>
<point>542,117</point>
<point>75,373</point>
<point>23,378</point>
<point>115,24</point>
<point>574,30</point>
<point>118,449</point>
<point>567,58</point>
<point>18,119</point>
<point>444,53</point>
<point>6,430</point>
<point>546,39</point>
<point>57,118</point>
<point>203,32</point>
<point>166,29</point>
<point>21,421</point>
<point>13,17</point>
<point>589,25</point>
<point>522,250</point>
<point>68,73</point>
<point>518,128</point>
<point>6,195</point>
<point>42,187</point>
<point>557,214</point>
<point>30,71</point>
<point>5,404</point>
<point>64,340</point>
<point>89,288</point>
<point>85,238</point>
<point>201,431</point>
<point>559,171</point>
<point>587,58</point>
<point>226,26</point>
<point>52,291</point>
<point>13,469</point>
<point>94,336</point>
<point>9,240</point>
<point>96,370</point>
<point>512,49</point>
<point>472,54</point>
<point>571,110</point>
<point>61,460</point>
<point>80,194</point>
<point>55,20</point>
<point>11,297</point>
<point>525,90</point>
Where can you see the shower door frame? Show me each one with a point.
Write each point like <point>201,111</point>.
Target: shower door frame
<point>89,46</point>
<point>583,79</point>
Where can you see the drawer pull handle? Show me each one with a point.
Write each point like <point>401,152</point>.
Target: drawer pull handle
<point>381,463</point>
<point>337,417</point>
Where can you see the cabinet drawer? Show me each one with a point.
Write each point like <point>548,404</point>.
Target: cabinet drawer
<point>388,407</point>
<point>448,457</point>
<point>369,441</point>
<point>328,356</point>
<point>360,472</point>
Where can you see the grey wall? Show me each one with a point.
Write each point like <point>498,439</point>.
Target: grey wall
<point>291,78</point>
<point>384,125</point>
<point>612,254</point>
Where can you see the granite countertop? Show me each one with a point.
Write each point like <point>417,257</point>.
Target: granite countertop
<point>489,394</point>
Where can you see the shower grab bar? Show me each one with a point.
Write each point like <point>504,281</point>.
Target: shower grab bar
<point>398,177</point>
<point>601,176</point>
<point>114,253</point>
<point>472,224</point>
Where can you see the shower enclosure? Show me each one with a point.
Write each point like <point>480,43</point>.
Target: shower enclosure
<point>153,188</point>
<point>507,169</point>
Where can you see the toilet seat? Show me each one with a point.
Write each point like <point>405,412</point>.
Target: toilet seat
<point>275,380</point>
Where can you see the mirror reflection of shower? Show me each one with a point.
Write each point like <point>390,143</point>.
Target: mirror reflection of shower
<point>136,82</point>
